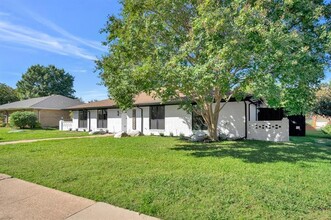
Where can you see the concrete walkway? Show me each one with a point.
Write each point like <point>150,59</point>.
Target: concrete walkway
<point>51,139</point>
<point>24,200</point>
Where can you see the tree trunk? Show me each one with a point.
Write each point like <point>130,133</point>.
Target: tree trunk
<point>213,131</point>
<point>211,114</point>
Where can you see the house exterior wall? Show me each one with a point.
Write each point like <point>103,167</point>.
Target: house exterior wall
<point>74,120</point>
<point>318,122</point>
<point>145,111</point>
<point>47,118</point>
<point>252,112</point>
<point>177,121</point>
<point>50,118</point>
<point>231,122</point>
<point>93,120</point>
<point>114,122</point>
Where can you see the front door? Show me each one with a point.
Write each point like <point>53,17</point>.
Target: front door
<point>124,121</point>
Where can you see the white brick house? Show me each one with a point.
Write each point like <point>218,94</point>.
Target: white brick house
<point>238,119</point>
<point>150,116</point>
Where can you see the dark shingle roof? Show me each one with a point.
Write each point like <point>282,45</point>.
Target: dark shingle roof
<point>54,102</point>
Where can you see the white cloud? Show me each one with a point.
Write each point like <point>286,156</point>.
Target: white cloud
<point>92,44</point>
<point>64,43</point>
<point>32,38</point>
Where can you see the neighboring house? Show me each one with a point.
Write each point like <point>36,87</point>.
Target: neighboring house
<point>151,116</point>
<point>49,109</point>
<point>318,121</point>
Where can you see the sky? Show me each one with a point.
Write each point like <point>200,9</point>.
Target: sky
<point>64,33</point>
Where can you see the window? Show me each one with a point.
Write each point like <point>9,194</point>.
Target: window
<point>102,118</point>
<point>82,122</point>
<point>134,119</point>
<point>198,123</point>
<point>157,117</point>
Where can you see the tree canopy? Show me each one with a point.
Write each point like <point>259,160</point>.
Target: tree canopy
<point>7,94</point>
<point>213,50</point>
<point>323,101</point>
<point>41,81</point>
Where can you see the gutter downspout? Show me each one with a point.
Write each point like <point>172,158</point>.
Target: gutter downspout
<point>89,120</point>
<point>249,109</point>
<point>245,119</point>
<point>142,119</point>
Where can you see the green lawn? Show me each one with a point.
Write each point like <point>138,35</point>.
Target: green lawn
<point>8,134</point>
<point>317,134</point>
<point>172,179</point>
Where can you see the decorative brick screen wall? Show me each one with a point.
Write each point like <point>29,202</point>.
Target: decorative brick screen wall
<point>268,130</point>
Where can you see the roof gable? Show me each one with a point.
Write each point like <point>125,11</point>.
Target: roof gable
<point>55,102</point>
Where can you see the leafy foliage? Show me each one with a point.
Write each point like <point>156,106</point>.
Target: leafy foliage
<point>41,81</point>
<point>7,94</point>
<point>210,51</point>
<point>323,102</point>
<point>23,119</point>
<point>327,129</point>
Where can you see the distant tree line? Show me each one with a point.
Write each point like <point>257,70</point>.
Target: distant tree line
<point>39,81</point>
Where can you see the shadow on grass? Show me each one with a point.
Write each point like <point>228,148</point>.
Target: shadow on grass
<point>260,151</point>
<point>317,134</point>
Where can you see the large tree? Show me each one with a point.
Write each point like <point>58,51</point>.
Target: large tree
<point>7,94</point>
<point>212,50</point>
<point>45,80</point>
<point>323,101</point>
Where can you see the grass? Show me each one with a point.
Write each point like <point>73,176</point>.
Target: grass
<point>8,134</point>
<point>317,134</point>
<point>172,179</point>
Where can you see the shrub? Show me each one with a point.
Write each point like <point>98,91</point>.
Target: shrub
<point>161,134</point>
<point>38,125</point>
<point>23,119</point>
<point>327,129</point>
<point>171,134</point>
<point>181,136</point>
